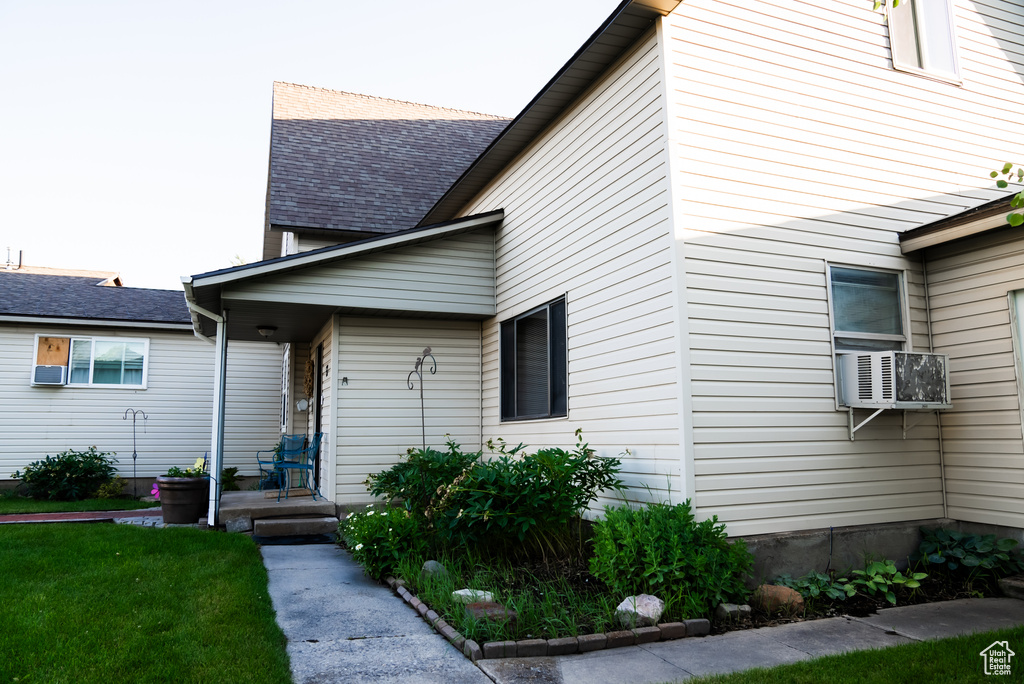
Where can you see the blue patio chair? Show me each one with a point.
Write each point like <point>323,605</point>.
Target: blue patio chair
<point>301,462</point>
<point>287,448</point>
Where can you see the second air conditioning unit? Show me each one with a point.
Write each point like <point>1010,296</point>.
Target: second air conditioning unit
<point>895,380</point>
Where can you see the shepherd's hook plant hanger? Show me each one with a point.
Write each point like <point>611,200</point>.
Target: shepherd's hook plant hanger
<point>418,372</point>
<point>135,453</point>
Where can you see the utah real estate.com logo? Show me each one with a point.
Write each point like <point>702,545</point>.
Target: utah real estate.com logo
<point>997,658</point>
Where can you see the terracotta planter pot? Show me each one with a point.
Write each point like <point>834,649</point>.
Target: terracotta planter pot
<point>184,500</point>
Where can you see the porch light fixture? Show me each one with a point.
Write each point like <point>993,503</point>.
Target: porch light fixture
<point>266,331</point>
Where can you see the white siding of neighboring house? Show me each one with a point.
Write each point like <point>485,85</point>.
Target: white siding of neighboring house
<point>587,216</point>
<point>378,416</point>
<point>454,275</point>
<point>968,286</point>
<point>794,142</point>
<point>40,421</point>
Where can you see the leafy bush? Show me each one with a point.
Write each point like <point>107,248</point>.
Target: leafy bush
<point>662,550</point>
<point>881,578</point>
<point>520,503</point>
<point>229,480</point>
<point>968,558</point>
<point>816,586</point>
<point>418,478</point>
<point>380,539</point>
<point>69,476</point>
<point>112,490</point>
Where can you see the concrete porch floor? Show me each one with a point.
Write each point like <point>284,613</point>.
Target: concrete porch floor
<point>265,516</point>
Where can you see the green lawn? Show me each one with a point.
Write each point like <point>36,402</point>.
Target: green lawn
<point>119,603</point>
<point>931,662</point>
<point>20,504</point>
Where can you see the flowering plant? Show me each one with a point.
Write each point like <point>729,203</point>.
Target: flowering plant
<point>380,538</point>
<point>197,470</point>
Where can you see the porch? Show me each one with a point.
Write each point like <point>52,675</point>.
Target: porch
<point>261,514</point>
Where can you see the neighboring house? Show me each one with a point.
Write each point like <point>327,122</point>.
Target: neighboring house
<point>669,248</point>
<point>80,350</point>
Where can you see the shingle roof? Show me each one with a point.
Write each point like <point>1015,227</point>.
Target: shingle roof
<point>346,162</point>
<point>50,296</point>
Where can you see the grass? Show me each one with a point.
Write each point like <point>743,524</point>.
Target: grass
<point>935,662</point>
<point>20,504</point>
<point>546,607</point>
<point>119,603</point>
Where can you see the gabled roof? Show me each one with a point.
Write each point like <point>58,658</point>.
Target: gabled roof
<point>354,164</point>
<point>34,295</point>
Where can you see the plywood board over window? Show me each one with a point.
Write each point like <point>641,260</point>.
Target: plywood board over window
<point>53,351</point>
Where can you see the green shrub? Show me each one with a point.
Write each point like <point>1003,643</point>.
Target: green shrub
<point>69,476</point>
<point>973,559</point>
<point>112,490</point>
<point>380,538</point>
<point>417,479</point>
<point>229,480</point>
<point>881,578</point>
<point>817,587</point>
<point>521,503</point>
<point>661,549</point>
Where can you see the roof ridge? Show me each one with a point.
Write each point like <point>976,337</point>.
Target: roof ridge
<point>378,98</point>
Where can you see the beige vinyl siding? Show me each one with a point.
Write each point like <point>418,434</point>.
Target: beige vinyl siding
<point>802,148</point>
<point>329,385</point>
<point>453,275</point>
<point>378,416</point>
<point>305,243</point>
<point>41,421</point>
<point>968,283</point>
<point>587,216</point>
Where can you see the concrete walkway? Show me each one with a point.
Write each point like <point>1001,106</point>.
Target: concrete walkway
<point>149,516</point>
<point>343,627</point>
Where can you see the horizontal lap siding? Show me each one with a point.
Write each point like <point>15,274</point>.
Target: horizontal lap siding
<point>586,216</point>
<point>450,275</point>
<point>795,143</point>
<point>41,421</point>
<point>378,416</point>
<point>968,283</point>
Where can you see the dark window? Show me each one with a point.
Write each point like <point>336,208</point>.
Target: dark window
<point>533,369</point>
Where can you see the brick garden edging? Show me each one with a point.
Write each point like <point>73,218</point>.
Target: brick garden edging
<point>527,648</point>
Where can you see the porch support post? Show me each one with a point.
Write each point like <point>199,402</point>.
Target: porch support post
<point>217,431</point>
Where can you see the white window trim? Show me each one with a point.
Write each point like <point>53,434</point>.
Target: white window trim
<point>286,379</point>
<point>93,339</point>
<point>899,64</point>
<point>1015,299</point>
<point>904,315</point>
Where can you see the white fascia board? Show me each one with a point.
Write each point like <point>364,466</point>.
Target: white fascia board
<point>953,233</point>
<point>344,251</point>
<point>93,322</point>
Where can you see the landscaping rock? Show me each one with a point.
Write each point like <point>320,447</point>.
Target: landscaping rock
<point>488,610</point>
<point>472,650</point>
<point>773,599</point>
<point>562,646</point>
<point>618,639</point>
<point>433,569</point>
<point>697,627</point>
<point>243,524</point>
<point>500,649</point>
<point>745,613</point>
<point>672,630</point>
<point>471,596</point>
<point>647,635</point>
<point>639,611</point>
<point>1012,587</point>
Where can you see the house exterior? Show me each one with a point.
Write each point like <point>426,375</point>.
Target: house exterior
<point>669,248</point>
<point>80,350</point>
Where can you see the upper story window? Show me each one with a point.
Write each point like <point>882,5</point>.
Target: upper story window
<point>867,309</point>
<point>108,361</point>
<point>533,364</point>
<point>922,37</point>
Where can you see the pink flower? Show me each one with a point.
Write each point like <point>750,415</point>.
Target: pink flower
<point>156,491</point>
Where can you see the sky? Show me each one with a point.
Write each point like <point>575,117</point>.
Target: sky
<point>134,136</point>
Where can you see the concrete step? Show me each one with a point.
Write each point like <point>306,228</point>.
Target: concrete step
<point>248,506</point>
<point>1013,587</point>
<point>286,527</point>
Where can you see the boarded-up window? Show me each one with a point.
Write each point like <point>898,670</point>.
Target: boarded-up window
<point>534,383</point>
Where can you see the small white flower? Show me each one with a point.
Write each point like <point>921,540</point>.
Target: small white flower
<point>358,546</point>
<point>369,512</point>
<point>369,505</point>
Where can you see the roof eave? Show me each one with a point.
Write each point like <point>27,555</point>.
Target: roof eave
<point>630,20</point>
<point>981,219</point>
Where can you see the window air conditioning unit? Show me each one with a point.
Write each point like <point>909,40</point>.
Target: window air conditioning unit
<point>49,375</point>
<point>895,380</point>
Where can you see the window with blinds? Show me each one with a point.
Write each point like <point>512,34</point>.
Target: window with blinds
<point>533,364</point>
<point>108,361</point>
<point>867,309</point>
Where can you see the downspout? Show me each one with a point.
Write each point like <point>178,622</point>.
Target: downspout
<point>931,349</point>
<point>217,431</point>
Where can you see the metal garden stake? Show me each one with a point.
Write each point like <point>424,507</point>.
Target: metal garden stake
<point>135,454</point>
<point>418,371</point>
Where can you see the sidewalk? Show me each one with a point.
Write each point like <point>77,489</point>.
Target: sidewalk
<point>343,627</point>
<point>149,517</point>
